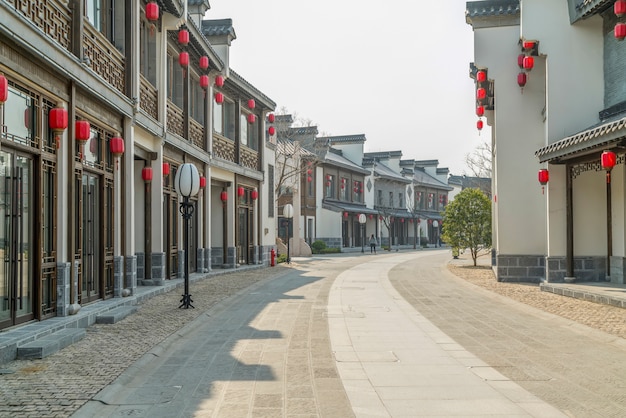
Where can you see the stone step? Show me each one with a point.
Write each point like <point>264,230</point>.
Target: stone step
<point>115,315</point>
<point>50,344</point>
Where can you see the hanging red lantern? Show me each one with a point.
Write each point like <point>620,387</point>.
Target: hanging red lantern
<point>165,168</point>
<point>345,214</point>
<point>520,60</point>
<point>152,11</point>
<point>481,93</point>
<point>309,172</point>
<point>271,130</point>
<point>219,81</point>
<point>543,176</point>
<point>479,124</point>
<point>241,191</point>
<point>521,79</point>
<point>251,104</point>
<point>620,31</point>
<point>401,220</point>
<point>202,182</point>
<point>219,98</point>
<point>183,37</point>
<point>83,131</point>
<point>619,8</point>
<point>254,194</point>
<point>57,121</point>
<point>309,179</point>
<point>529,63</point>
<point>251,118</point>
<point>224,196</point>
<point>480,111</point>
<point>328,184</point>
<point>4,89</point>
<point>528,45</point>
<point>271,118</point>
<point>146,174</point>
<point>204,81</point>
<point>608,160</point>
<point>116,145</point>
<point>183,59</point>
<point>481,76</point>
<point>203,62</point>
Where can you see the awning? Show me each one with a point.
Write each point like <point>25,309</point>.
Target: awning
<point>348,207</point>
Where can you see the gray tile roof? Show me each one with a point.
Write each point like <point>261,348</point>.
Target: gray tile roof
<point>218,27</point>
<point>596,137</point>
<point>383,154</point>
<point>422,178</point>
<point>492,8</point>
<point>246,86</point>
<point>387,173</point>
<point>336,158</point>
<point>588,8</point>
<point>288,147</point>
<point>345,139</point>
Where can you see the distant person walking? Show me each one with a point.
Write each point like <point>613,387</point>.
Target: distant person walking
<point>373,244</point>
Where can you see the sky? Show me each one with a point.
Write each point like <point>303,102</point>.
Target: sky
<point>394,70</point>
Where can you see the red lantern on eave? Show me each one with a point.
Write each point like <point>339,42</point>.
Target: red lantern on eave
<point>309,179</point>
<point>251,118</point>
<point>254,194</point>
<point>116,145</point>
<point>202,182</point>
<point>521,79</point>
<point>271,130</point>
<point>543,176</point>
<point>481,76</point>
<point>520,60</point>
<point>219,98</point>
<point>183,37</point>
<point>165,168</point>
<point>271,118</point>
<point>152,11</point>
<point>83,131</point>
<point>146,174</point>
<point>241,191</point>
<point>57,121</point>
<point>619,8</point>
<point>528,45</point>
<point>480,110</point>
<point>620,31</point>
<point>345,214</point>
<point>608,160</point>
<point>529,63</point>
<point>4,89</point>
<point>183,59</point>
<point>203,62</point>
<point>251,104</point>
<point>219,81</point>
<point>481,93</point>
<point>224,196</point>
<point>204,82</point>
<point>479,124</point>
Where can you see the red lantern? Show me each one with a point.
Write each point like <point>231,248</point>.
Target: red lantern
<point>619,8</point>
<point>401,220</point>
<point>309,172</point>
<point>219,98</point>
<point>251,118</point>
<point>57,121</point>
<point>254,194</point>
<point>183,59</point>
<point>202,182</point>
<point>481,76</point>
<point>251,104</point>
<point>271,118</point>
<point>620,31</point>
<point>521,79</point>
<point>83,131</point>
<point>116,145</point>
<point>479,124</point>
<point>183,37</point>
<point>204,82</point>
<point>345,214</point>
<point>146,174</point>
<point>480,110</point>
<point>271,130</point>
<point>152,11</point>
<point>166,169</point>
<point>380,218</point>
<point>608,160</point>
<point>328,184</point>
<point>481,93</point>
<point>204,62</point>
<point>4,89</point>
<point>219,81</point>
<point>529,63</point>
<point>241,191</point>
<point>543,176</point>
<point>309,179</point>
<point>520,60</point>
<point>528,45</point>
<point>224,196</point>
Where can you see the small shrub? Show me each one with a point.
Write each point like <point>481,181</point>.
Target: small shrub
<point>282,258</point>
<point>318,247</point>
<point>331,251</point>
<point>424,241</point>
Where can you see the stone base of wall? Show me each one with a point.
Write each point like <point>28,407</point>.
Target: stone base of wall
<point>63,288</point>
<point>333,242</point>
<point>618,266</point>
<point>520,268</point>
<point>586,269</point>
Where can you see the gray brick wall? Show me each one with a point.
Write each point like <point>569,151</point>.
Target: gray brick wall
<point>614,62</point>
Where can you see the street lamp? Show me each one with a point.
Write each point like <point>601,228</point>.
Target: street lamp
<point>288,213</point>
<point>187,183</point>
<point>362,220</point>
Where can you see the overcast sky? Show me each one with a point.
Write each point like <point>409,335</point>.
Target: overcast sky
<point>394,70</point>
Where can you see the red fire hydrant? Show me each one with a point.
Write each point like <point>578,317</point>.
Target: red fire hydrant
<point>273,258</point>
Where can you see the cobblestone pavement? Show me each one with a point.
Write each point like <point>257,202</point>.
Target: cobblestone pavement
<point>569,352</point>
<point>569,366</point>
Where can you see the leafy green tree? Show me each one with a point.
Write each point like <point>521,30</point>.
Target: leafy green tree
<point>467,222</point>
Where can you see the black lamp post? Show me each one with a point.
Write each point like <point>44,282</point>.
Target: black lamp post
<point>288,213</point>
<point>187,184</point>
<point>362,220</point>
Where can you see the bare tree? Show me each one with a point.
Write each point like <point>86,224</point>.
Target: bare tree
<point>479,161</point>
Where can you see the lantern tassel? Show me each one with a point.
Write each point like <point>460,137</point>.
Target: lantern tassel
<point>152,29</point>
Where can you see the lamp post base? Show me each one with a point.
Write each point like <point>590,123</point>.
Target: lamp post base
<point>185,302</point>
